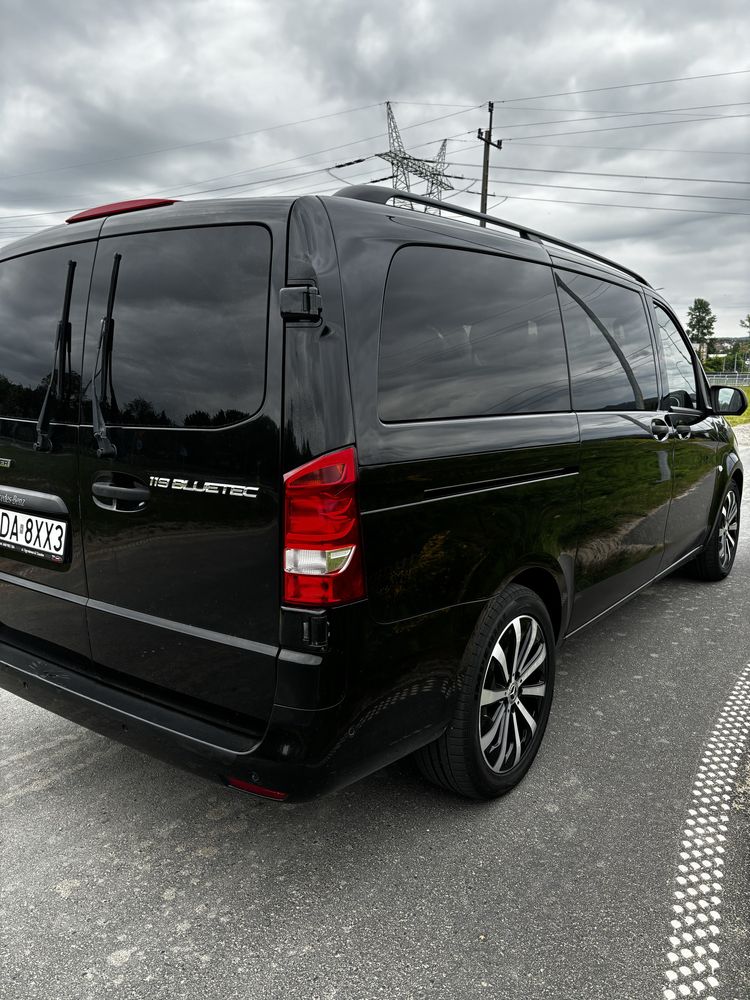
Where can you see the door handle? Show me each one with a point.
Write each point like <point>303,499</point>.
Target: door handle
<point>132,494</point>
<point>111,496</point>
<point>660,429</point>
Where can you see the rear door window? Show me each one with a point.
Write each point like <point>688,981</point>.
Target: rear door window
<point>190,315</point>
<point>469,334</point>
<point>611,354</point>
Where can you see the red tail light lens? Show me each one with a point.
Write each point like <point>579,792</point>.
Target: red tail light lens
<point>249,786</point>
<point>322,539</point>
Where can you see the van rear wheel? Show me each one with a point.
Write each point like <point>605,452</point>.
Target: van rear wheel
<point>504,701</point>
<point>717,558</point>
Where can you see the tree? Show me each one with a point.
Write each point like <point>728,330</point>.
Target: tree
<point>714,364</point>
<point>745,323</point>
<point>736,361</point>
<point>701,322</point>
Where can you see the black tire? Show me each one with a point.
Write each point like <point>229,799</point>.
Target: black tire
<point>717,558</point>
<point>490,743</point>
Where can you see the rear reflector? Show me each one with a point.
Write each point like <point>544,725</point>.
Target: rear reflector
<point>322,539</point>
<point>119,207</point>
<point>248,786</point>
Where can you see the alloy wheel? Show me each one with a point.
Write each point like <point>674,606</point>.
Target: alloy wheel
<point>729,526</point>
<point>513,693</point>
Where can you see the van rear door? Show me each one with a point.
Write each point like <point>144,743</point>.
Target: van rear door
<point>42,581</point>
<point>180,468</point>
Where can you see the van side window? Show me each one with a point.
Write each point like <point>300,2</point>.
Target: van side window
<point>680,385</point>
<point>190,316</point>
<point>610,350</point>
<point>32,306</point>
<point>469,334</point>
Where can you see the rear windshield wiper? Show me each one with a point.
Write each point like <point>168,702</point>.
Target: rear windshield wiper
<point>103,371</point>
<point>55,386</point>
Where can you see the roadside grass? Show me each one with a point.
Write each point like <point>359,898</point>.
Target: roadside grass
<point>745,418</point>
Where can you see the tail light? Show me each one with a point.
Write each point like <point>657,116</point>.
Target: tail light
<point>322,540</point>
<point>249,786</point>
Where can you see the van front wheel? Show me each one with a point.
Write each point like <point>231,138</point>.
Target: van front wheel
<point>717,558</point>
<point>504,701</point>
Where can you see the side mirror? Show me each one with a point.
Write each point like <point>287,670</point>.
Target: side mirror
<point>728,401</point>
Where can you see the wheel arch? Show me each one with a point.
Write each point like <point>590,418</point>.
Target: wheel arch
<point>550,586</point>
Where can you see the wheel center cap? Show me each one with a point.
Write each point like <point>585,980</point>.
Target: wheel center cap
<point>513,691</point>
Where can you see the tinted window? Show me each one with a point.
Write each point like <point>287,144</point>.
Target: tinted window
<point>609,346</point>
<point>679,371</point>
<point>469,334</point>
<point>32,293</point>
<point>190,309</point>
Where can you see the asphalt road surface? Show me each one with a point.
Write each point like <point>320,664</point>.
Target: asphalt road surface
<point>122,877</point>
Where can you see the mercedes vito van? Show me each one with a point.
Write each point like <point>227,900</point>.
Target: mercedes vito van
<point>293,487</point>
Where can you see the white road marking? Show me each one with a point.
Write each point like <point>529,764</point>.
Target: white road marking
<point>693,941</point>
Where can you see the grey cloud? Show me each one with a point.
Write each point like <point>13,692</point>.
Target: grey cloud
<point>84,82</point>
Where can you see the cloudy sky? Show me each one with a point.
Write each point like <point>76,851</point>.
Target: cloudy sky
<point>624,125</point>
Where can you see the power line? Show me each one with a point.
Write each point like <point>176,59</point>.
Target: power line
<point>434,104</point>
<point>620,128</point>
<point>605,204</point>
<point>653,111</point>
<point>334,166</point>
<point>595,173</point>
<point>188,145</point>
<point>319,152</point>
<point>623,114</point>
<point>634,149</point>
<point>570,187</point>
<point>625,86</point>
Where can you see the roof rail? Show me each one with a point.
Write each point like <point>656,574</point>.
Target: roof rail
<point>381,195</point>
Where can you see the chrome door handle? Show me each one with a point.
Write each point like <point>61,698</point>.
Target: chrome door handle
<point>133,494</point>
<point>125,499</point>
<point>660,429</point>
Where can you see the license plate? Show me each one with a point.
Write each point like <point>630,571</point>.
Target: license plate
<point>33,535</point>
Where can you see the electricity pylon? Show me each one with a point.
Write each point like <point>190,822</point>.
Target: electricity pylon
<point>403,164</point>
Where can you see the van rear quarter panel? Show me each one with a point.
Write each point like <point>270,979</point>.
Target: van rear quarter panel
<point>451,509</point>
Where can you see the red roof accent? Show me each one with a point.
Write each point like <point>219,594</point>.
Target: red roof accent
<point>119,207</point>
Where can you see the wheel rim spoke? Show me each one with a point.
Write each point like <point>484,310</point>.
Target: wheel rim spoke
<point>498,654</point>
<point>517,647</point>
<point>528,645</point>
<point>534,664</point>
<point>502,744</point>
<point>517,739</point>
<point>527,716</point>
<point>491,733</point>
<point>490,697</point>
<point>533,690</point>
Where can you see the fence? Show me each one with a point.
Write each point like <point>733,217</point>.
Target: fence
<point>729,378</point>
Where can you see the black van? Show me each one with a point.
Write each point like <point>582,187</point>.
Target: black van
<point>293,487</point>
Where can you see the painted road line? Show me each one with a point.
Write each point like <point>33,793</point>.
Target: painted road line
<point>693,954</point>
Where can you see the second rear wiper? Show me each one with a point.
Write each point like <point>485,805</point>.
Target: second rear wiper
<point>103,370</point>
<point>55,386</point>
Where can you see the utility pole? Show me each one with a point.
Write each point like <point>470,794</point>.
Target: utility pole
<point>485,135</point>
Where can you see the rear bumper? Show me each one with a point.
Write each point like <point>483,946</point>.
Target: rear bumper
<point>303,753</point>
